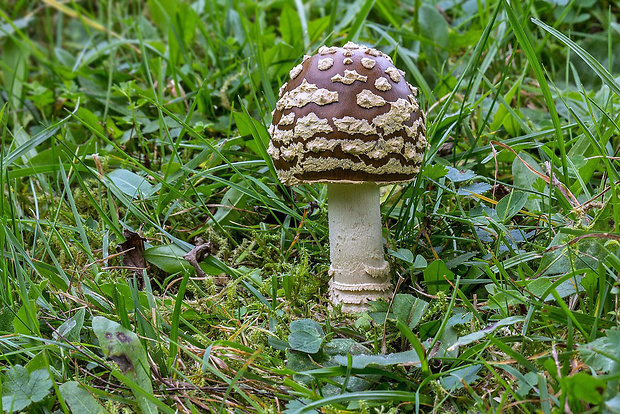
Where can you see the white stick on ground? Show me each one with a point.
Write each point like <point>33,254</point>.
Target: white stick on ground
<point>359,272</point>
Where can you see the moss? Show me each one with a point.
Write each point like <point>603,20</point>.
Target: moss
<point>231,294</point>
<point>240,253</point>
<point>303,282</point>
<point>437,308</point>
<point>66,245</point>
<point>366,408</point>
<point>465,329</point>
<point>114,407</point>
<point>197,378</point>
<point>83,203</point>
<point>203,287</point>
<point>269,251</point>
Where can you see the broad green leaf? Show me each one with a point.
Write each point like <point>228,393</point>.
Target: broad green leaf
<point>124,347</point>
<point>23,323</point>
<point>379,396</point>
<point>7,315</point>
<point>503,116</point>
<point>306,336</point>
<point>604,220</point>
<point>256,129</point>
<point>131,183</point>
<point>434,171</point>
<point>433,25</point>
<point>460,259</point>
<point>71,328</point>
<point>525,382</point>
<point>20,388</point>
<point>435,276</point>
<point>474,188</point>
<point>21,140</point>
<point>402,254</point>
<point>449,336</point>
<point>539,286</point>
<point>233,200</point>
<point>297,406</point>
<point>245,123</point>
<point>457,176</point>
<point>90,119</point>
<point>362,361</point>
<point>344,346</point>
<point>406,308</point>
<point>169,258</point>
<point>526,179</point>
<point>420,262</point>
<point>583,387</point>
<point>468,339</point>
<point>603,354</point>
<point>8,29</point>
<point>586,253</point>
<point>457,379</point>
<point>613,404</point>
<point>510,205</point>
<point>317,27</point>
<point>409,309</point>
<point>378,310</point>
<point>181,32</point>
<point>278,344</point>
<point>290,25</point>
<point>162,11</point>
<point>302,362</point>
<point>15,71</point>
<point>79,400</point>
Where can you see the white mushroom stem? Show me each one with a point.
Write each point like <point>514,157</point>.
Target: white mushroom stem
<point>359,272</point>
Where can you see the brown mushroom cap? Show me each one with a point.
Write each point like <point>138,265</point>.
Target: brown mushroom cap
<point>347,115</point>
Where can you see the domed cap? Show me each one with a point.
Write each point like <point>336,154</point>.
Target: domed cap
<point>347,115</point>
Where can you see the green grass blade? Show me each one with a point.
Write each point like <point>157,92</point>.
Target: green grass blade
<point>362,14</point>
<point>523,37</point>
<point>607,78</point>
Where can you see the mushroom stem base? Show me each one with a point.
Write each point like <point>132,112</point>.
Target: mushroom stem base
<point>359,272</point>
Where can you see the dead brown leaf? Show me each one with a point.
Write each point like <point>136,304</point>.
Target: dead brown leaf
<point>132,250</point>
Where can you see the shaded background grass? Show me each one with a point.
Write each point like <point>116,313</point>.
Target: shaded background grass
<point>149,118</point>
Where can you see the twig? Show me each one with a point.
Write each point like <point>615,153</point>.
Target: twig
<point>197,255</point>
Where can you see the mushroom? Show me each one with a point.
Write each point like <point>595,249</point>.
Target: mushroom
<point>348,118</point>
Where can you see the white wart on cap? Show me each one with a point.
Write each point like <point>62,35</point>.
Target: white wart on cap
<point>347,115</point>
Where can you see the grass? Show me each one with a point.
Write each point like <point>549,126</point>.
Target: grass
<point>133,132</point>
